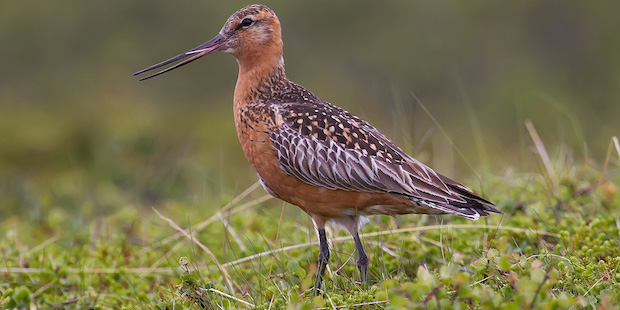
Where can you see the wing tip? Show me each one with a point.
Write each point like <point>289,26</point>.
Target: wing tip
<point>473,208</point>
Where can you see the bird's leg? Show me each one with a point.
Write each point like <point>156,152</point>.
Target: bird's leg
<point>362,260</point>
<point>323,260</point>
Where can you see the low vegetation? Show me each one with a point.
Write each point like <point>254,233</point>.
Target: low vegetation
<point>555,248</point>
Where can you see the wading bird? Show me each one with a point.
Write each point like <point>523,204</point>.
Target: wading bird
<point>315,155</point>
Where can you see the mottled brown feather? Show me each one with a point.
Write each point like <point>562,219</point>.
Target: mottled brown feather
<point>327,147</point>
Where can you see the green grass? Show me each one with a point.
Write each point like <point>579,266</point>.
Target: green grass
<point>555,248</point>
<point>88,155</point>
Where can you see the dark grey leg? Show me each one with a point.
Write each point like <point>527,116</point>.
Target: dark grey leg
<point>362,260</point>
<point>323,260</point>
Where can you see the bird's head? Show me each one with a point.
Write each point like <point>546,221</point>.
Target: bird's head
<point>252,35</point>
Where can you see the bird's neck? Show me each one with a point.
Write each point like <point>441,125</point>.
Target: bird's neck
<point>258,76</point>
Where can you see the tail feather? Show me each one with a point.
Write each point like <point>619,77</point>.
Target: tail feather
<point>470,206</point>
<point>466,212</point>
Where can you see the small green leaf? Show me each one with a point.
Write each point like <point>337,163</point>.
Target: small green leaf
<point>504,263</point>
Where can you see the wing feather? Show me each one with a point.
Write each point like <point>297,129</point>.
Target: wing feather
<point>333,165</point>
<point>326,146</point>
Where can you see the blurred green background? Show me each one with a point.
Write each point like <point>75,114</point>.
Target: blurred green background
<point>79,133</point>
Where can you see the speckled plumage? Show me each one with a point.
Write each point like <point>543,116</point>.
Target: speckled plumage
<point>326,146</point>
<point>329,162</point>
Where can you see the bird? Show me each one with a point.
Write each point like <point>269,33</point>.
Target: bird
<point>310,153</point>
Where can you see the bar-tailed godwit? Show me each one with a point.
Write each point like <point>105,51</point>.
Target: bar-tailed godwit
<point>315,155</point>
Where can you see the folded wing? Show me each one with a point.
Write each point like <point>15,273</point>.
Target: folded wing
<point>326,146</point>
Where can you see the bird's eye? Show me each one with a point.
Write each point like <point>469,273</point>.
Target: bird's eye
<point>245,23</point>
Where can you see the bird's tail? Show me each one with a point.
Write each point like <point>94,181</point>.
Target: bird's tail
<point>467,204</point>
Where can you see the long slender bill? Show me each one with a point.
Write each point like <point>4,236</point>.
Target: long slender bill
<point>218,43</point>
